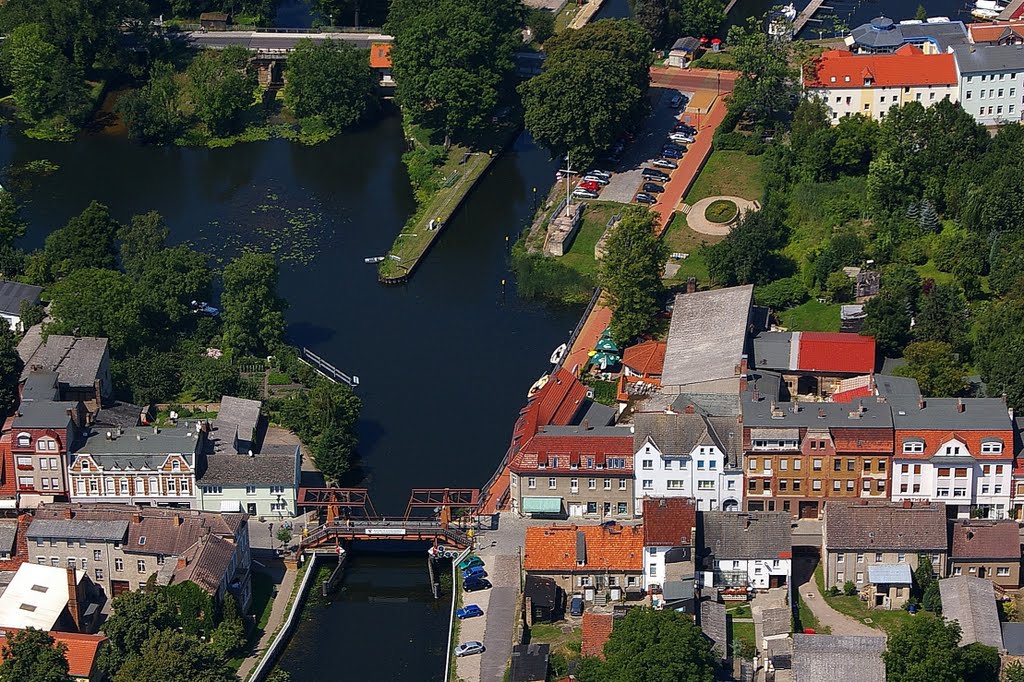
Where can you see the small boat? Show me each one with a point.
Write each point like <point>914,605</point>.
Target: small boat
<point>780,22</point>
<point>992,5</point>
<point>559,353</point>
<point>373,259</point>
<point>979,13</point>
<point>539,384</point>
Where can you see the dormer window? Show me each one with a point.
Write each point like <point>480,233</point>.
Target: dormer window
<point>175,465</point>
<point>913,447</point>
<point>952,449</point>
<point>85,465</point>
<point>24,440</point>
<point>846,79</point>
<point>554,462</point>
<point>46,445</point>
<point>833,79</point>
<point>991,447</point>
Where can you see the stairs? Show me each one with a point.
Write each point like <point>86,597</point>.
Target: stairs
<point>600,599</point>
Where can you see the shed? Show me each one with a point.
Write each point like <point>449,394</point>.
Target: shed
<point>530,663</point>
<point>683,51</point>
<point>542,598</point>
<point>214,21</point>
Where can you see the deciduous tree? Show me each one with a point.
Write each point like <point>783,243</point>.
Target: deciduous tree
<point>86,241</point>
<point>141,238</point>
<point>998,344</point>
<point>749,254</point>
<point>331,80</point>
<point>631,273</point>
<point>32,655</point>
<point>153,113</point>
<point>222,87</point>
<point>253,312</point>
<point>97,302</point>
<point>170,656</point>
<point>888,320</point>
<point>924,649</point>
<point>44,83</point>
<point>767,80</point>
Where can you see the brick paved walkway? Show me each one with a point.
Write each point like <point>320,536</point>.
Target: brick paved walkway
<point>278,612</point>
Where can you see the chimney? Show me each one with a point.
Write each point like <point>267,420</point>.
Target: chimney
<point>821,413</point>
<point>970,535</point>
<point>756,396</point>
<point>960,405</point>
<point>796,407</point>
<point>136,517</point>
<point>908,504</point>
<point>67,513</point>
<point>177,520</point>
<point>586,424</point>
<point>921,403</point>
<point>73,606</point>
<point>689,409</point>
<point>182,563</point>
<point>691,285</point>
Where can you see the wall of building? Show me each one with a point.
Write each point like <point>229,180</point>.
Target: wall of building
<point>261,501</point>
<point>576,582</point>
<point>850,568</point>
<point>874,102</point>
<point>993,98</point>
<point>610,496</point>
<point>990,569</point>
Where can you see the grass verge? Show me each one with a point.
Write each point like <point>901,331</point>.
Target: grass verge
<point>728,173</point>
<point>812,317</point>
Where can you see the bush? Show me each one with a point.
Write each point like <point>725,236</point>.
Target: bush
<point>538,277</point>
<point>849,588</point>
<point>735,141</point>
<point>781,294</point>
<point>542,23</point>
<point>833,591</point>
<point>422,164</point>
<point>915,252</point>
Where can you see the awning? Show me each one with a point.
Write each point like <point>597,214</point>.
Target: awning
<point>542,505</point>
<point>8,504</point>
<point>230,506</point>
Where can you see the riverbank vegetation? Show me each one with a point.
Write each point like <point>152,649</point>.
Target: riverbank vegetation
<point>602,67</point>
<point>667,20</point>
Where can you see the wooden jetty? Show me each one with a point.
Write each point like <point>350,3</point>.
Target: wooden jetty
<point>805,16</point>
<point>326,369</point>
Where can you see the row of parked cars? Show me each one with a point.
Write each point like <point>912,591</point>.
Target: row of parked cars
<point>474,577</point>
<point>682,134</point>
<point>591,184</point>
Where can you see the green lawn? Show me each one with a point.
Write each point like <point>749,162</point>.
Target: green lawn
<point>262,598</point>
<point>858,610</point>
<point>681,239</point>
<point>563,638</point>
<point>721,211</point>
<point>742,632</point>
<point>728,173</point>
<point>741,611</point>
<point>595,220</point>
<point>812,317</point>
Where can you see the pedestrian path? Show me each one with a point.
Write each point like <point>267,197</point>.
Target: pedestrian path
<point>840,624</point>
<point>278,612</point>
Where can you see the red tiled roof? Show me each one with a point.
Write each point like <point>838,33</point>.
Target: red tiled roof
<point>990,33</point>
<point>553,548</point>
<point>645,359</point>
<point>862,440</point>
<point>830,352</point>
<point>8,479</point>
<point>560,398</point>
<point>597,628</point>
<point>852,394</point>
<point>81,650</point>
<point>573,451</point>
<point>908,66</point>
<point>972,439</point>
<point>669,521</point>
<point>380,55</point>
<point>978,539</point>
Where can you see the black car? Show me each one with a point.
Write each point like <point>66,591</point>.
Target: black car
<point>476,584</point>
<point>655,174</point>
<point>643,198</point>
<point>683,128</point>
<point>576,607</point>
<point>654,187</point>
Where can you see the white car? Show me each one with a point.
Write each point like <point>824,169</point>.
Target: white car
<point>664,163</point>
<point>599,179</point>
<point>469,648</point>
<point>680,137</point>
<point>599,174</point>
<point>581,193</point>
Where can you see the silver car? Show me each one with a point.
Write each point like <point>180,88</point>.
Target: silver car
<point>469,648</point>
<point>581,193</point>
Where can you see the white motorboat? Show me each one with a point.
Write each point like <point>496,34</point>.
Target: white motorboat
<point>979,13</point>
<point>989,5</point>
<point>780,22</point>
<point>559,353</point>
<point>539,384</point>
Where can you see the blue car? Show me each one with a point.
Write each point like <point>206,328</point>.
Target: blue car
<point>474,572</point>
<point>469,611</point>
<point>671,153</point>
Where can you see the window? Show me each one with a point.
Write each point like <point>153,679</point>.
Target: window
<point>98,573</point>
<point>676,484</point>
<point>250,490</point>
<point>592,483</point>
<point>840,577</point>
<point>218,490</point>
<point>666,464</point>
<point>591,507</point>
<point>917,488</point>
<point>836,465</point>
<point>154,485</point>
<point>108,485</point>
<point>141,565</point>
<point>621,508</point>
<point>277,490</point>
<point>531,482</point>
<point>849,485</point>
<point>998,490</point>
<point>46,484</point>
<point>783,464</point>
<point>766,485</point>
<point>574,484</point>
<point>767,465</point>
<point>881,466</point>
<point>176,465</point>
<point>584,581</point>
<point>959,492</point>
<point>24,440</point>
<point>607,484</point>
<point>917,469</point>
<point>41,561</point>
<point>72,563</point>
<point>912,446</point>
<point>54,561</point>
<point>783,483</point>
<point>991,447</point>
<point>867,486</point>
<point>172,486</point>
<point>630,581</point>
<point>622,484</point>
<point>552,483</point>
<point>616,463</point>
<point>705,485</point>
<point>960,472</point>
<point>700,465</point>
<point>1003,570</point>
<point>968,95</point>
<point>648,484</point>
<point>97,555</point>
<point>835,485</point>
<point>816,465</point>
<point>796,485</point>
<point>816,484</point>
<point>752,464</point>
<point>648,464</point>
<point>752,485</point>
<point>860,557</point>
<point>880,486</point>
<point>860,576</point>
<point>972,570</point>
<point>840,558</point>
<point>44,464</point>
<point>730,485</point>
<point>850,464</point>
<point>867,465</point>
<point>796,465</point>
<point>118,564</point>
<point>124,486</point>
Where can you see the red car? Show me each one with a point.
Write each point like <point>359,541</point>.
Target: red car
<point>590,185</point>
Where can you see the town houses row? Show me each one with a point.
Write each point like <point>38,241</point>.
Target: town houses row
<point>69,441</point>
<point>889,64</point>
<point>738,418</point>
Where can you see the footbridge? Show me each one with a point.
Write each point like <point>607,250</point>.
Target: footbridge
<point>441,516</point>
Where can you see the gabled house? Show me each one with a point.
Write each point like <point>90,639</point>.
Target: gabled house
<point>81,651</point>
<point>644,360</point>
<point>752,550</point>
<point>972,603</point>
<point>598,562</point>
<point>838,657</point>
<point>42,432</point>
<point>813,365</point>
<point>670,535</point>
<point>877,545</point>
<point>13,295</point>
<point>986,549</point>
<point>543,600</point>
<point>688,455</point>
<point>82,364</point>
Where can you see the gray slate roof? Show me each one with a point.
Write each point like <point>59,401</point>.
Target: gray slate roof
<point>76,359</point>
<point>747,535</point>
<point>78,529</point>
<point>776,621</point>
<point>884,35</point>
<point>838,657</point>
<point>141,440</point>
<point>678,434</point>
<point>43,415</point>
<point>243,413</point>
<point>713,624</point>
<point>879,526</point>
<point>40,385</point>
<point>889,574</point>
<point>972,602</point>
<point>769,412</point>
<point>971,59</point>
<point>904,396</point>
<point>233,469</point>
<point>1013,638</point>
<point>13,293</point>
<point>718,404</point>
<point>8,534</point>
<point>707,335</point>
<point>775,350</point>
<point>529,662</point>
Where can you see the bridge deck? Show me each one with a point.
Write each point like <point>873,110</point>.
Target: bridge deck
<point>380,529</point>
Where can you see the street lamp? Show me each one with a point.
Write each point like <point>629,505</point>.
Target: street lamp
<point>568,197</point>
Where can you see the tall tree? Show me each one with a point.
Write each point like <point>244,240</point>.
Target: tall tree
<point>653,645</point>
<point>631,273</point>
<point>937,370</point>
<point>998,345</point>
<point>136,617</point>
<point>170,656</point>
<point>888,320</point>
<point>10,369</point>
<point>153,113</point>
<point>83,30</point>
<point>97,302</point>
<point>331,80</point>
<point>653,16</point>
<point>86,241</point>
<point>140,239</point>
<point>253,312</point>
<point>170,281</point>
<point>12,224</point>
<point>32,655</point>
<point>924,649</point>
<point>943,316</point>
<point>453,58</point>
<point>222,87</point>
<point>749,254</point>
<point>767,78</point>
<point>44,83</point>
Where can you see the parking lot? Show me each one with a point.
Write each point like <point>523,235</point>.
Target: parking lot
<point>645,148</point>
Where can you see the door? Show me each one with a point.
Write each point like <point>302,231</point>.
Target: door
<point>776,580</point>
<point>982,572</point>
<point>118,587</point>
<point>607,509</point>
<point>808,510</point>
<point>576,509</point>
<point>251,509</point>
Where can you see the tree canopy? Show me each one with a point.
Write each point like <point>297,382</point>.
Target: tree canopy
<point>221,88</point>
<point>666,20</point>
<point>631,273</point>
<point>43,82</point>
<point>750,252</point>
<point>253,312</point>
<point>331,80</point>
<point>31,655</point>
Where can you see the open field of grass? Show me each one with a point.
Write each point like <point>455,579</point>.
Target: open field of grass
<point>595,220</point>
<point>681,239</point>
<point>728,173</point>
<point>811,317</point>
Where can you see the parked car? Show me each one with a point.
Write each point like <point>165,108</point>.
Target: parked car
<point>580,193</point>
<point>476,584</point>
<point>599,173</point>
<point>475,572</point>
<point>643,198</point>
<point>655,174</point>
<point>684,128</point>
<point>596,178</point>
<point>681,137</point>
<point>469,648</point>
<point>470,562</point>
<point>672,152</point>
<point>469,611</point>
<point>675,101</point>
<point>589,185</point>
<point>664,163</point>
<point>576,607</point>
<point>652,188</point>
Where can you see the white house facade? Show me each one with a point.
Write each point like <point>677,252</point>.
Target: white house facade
<point>991,82</point>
